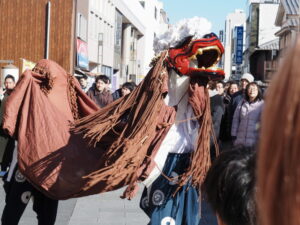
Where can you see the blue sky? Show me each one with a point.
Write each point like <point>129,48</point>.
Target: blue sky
<point>214,10</point>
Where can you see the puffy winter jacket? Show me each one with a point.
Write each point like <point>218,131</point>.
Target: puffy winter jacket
<point>245,122</point>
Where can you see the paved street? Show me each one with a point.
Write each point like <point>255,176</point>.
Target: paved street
<point>103,209</point>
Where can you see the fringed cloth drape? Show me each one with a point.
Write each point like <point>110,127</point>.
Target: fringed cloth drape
<point>109,149</point>
<point>135,143</point>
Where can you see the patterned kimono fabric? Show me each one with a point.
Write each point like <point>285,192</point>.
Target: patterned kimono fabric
<point>159,204</point>
<point>184,208</point>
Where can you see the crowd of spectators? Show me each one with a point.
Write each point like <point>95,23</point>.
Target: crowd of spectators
<point>100,91</point>
<point>236,109</point>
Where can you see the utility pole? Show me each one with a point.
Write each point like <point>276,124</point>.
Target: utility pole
<point>48,24</point>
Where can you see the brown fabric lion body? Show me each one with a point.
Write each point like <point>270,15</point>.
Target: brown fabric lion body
<point>103,152</point>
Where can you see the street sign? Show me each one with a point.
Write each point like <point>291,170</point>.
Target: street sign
<point>239,45</point>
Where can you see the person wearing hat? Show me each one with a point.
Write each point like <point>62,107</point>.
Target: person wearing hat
<point>238,96</point>
<point>246,79</point>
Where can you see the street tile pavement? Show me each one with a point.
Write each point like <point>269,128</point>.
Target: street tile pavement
<point>101,209</point>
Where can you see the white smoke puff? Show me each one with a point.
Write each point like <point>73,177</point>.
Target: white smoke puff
<point>196,26</point>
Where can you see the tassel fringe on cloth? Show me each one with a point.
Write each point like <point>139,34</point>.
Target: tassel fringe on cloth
<point>131,143</point>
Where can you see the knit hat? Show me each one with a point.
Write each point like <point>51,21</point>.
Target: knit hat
<point>247,76</point>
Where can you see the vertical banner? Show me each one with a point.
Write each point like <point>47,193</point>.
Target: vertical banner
<point>82,54</point>
<point>239,45</point>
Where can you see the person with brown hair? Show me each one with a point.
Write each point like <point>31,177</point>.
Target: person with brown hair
<point>279,148</point>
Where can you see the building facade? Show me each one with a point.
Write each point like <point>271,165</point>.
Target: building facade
<point>119,36</point>
<point>34,30</point>
<point>287,19</point>
<point>261,50</point>
<point>111,37</point>
<point>156,22</point>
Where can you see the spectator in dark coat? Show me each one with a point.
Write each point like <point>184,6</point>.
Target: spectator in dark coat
<point>7,143</point>
<point>237,97</point>
<point>225,131</point>
<point>232,89</point>
<point>217,111</point>
<point>220,87</point>
<point>126,88</point>
<point>99,93</point>
<point>117,94</point>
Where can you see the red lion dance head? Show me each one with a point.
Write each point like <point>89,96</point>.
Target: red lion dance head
<point>198,57</point>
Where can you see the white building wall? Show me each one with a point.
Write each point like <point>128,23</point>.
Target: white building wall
<point>143,19</point>
<point>101,35</point>
<point>155,25</point>
<point>267,28</point>
<point>132,33</point>
<point>237,18</point>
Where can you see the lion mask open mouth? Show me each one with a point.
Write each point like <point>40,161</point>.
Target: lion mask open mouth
<point>198,57</point>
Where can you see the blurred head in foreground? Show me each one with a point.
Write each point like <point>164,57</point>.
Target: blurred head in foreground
<point>230,187</point>
<point>279,150</point>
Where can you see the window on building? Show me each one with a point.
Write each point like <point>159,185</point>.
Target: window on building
<point>82,27</point>
<point>106,70</point>
<point>118,30</point>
